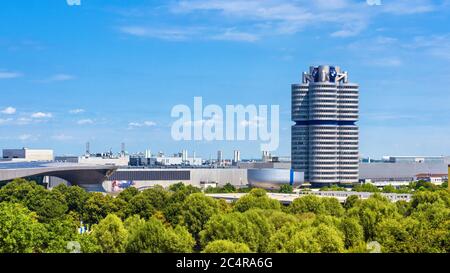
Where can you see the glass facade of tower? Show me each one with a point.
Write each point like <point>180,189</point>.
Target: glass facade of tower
<point>325,138</point>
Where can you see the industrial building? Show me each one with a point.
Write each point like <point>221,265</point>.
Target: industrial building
<point>96,159</point>
<point>400,173</point>
<point>108,158</point>
<point>417,159</point>
<point>325,138</point>
<point>148,177</point>
<point>160,159</point>
<point>27,155</point>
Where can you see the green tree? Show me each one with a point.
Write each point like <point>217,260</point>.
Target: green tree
<point>286,189</point>
<point>154,237</point>
<point>134,222</point>
<point>370,213</point>
<point>228,188</point>
<point>332,207</point>
<point>88,243</point>
<point>18,191</point>
<point>389,189</point>
<point>425,197</point>
<point>140,205</point>
<point>110,234</point>
<point>157,196</point>
<point>97,207</point>
<point>403,207</point>
<point>128,194</point>
<point>174,207</point>
<point>250,228</point>
<point>422,185</point>
<point>256,199</point>
<point>47,204</point>
<point>353,232</point>
<point>277,218</point>
<point>224,246</point>
<point>59,232</point>
<point>304,238</point>
<point>20,231</point>
<point>197,210</point>
<point>351,201</point>
<point>308,203</point>
<point>75,197</point>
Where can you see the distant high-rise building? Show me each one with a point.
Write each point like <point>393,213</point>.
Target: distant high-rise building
<point>184,155</point>
<point>266,156</point>
<point>122,150</point>
<point>236,157</point>
<point>325,138</point>
<point>219,157</point>
<point>88,148</point>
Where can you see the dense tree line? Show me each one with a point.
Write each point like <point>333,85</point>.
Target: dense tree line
<point>182,219</point>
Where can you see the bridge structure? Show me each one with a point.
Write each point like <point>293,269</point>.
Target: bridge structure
<point>288,198</point>
<point>83,175</point>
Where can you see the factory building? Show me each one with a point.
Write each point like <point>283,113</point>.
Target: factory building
<point>397,174</point>
<point>27,155</point>
<point>96,159</point>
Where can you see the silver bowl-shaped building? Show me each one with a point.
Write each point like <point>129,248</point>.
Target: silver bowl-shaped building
<point>274,178</point>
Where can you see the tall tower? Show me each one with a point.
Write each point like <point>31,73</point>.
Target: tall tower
<point>88,149</point>
<point>236,157</point>
<point>219,157</point>
<point>325,138</point>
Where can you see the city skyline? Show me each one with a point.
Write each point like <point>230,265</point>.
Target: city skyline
<point>110,72</point>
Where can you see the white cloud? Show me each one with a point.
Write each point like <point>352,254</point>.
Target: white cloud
<point>231,35</point>
<point>25,137</point>
<point>24,121</point>
<point>9,75</point>
<point>386,62</point>
<point>62,137</point>
<point>141,124</point>
<point>253,20</point>
<point>85,121</point>
<point>171,34</point>
<point>9,110</point>
<point>349,30</point>
<point>59,78</point>
<point>76,111</point>
<point>40,115</point>
<point>408,7</point>
<point>5,121</point>
<point>149,123</point>
<point>435,45</point>
<point>275,17</point>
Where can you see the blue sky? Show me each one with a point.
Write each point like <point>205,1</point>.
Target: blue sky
<point>111,71</point>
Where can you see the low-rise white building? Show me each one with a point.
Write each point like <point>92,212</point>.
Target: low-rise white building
<point>28,155</point>
<point>120,160</point>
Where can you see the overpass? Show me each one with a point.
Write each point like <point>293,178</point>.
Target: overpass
<point>286,198</point>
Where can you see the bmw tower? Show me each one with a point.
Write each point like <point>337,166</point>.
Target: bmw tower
<point>325,138</point>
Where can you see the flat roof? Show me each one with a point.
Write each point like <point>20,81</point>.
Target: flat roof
<point>43,164</point>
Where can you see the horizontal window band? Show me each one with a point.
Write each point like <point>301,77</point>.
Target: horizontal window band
<point>325,122</point>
